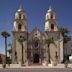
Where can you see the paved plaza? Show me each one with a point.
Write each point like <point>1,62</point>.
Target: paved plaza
<point>18,68</point>
<point>37,70</point>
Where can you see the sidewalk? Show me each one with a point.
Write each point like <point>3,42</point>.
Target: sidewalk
<point>36,66</point>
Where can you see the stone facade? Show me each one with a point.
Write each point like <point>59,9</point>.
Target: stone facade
<point>34,49</point>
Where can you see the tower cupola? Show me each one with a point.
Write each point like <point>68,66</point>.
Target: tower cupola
<point>20,22</point>
<point>50,20</point>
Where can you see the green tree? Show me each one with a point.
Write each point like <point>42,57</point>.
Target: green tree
<point>21,39</point>
<point>5,35</point>
<point>66,38</point>
<point>64,32</point>
<point>49,41</point>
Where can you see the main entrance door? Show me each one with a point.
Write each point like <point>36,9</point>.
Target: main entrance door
<point>36,58</point>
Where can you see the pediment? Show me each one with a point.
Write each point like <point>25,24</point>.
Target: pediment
<point>36,32</point>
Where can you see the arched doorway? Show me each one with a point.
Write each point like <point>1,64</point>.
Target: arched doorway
<point>36,58</point>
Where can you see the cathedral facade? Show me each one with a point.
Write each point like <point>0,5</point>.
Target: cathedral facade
<point>34,48</point>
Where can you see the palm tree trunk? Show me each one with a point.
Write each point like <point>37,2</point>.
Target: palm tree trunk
<point>49,53</point>
<point>22,53</point>
<point>5,50</point>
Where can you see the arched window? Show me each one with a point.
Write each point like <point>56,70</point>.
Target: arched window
<point>52,26</point>
<point>51,16</point>
<point>56,55</point>
<point>19,27</point>
<point>19,16</point>
<point>36,44</point>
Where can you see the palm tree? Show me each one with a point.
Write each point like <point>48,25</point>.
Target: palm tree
<point>5,35</point>
<point>21,39</point>
<point>66,38</point>
<point>49,41</point>
<point>64,32</point>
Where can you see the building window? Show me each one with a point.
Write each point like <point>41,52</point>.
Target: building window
<point>56,56</point>
<point>52,26</point>
<point>19,27</point>
<point>51,16</point>
<point>15,53</point>
<point>19,16</point>
<point>36,44</point>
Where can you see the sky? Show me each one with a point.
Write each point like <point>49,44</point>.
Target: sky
<point>35,10</point>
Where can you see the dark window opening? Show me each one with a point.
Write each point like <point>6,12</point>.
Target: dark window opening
<point>36,44</point>
<point>0,60</point>
<point>19,16</point>
<point>56,53</point>
<point>52,26</point>
<point>51,16</point>
<point>15,53</point>
<point>19,27</point>
<point>56,56</point>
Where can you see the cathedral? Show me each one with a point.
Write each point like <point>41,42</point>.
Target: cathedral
<point>33,48</point>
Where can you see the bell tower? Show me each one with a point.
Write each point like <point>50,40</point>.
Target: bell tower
<point>50,20</point>
<point>19,32</point>
<point>20,22</point>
